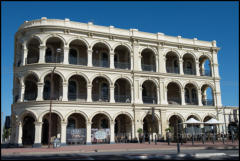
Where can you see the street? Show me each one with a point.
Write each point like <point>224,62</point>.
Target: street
<point>196,154</point>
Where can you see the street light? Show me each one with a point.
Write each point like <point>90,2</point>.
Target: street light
<point>51,98</point>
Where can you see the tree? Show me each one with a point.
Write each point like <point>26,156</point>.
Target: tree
<point>6,133</point>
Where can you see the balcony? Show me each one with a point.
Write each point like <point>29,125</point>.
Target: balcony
<point>192,101</point>
<point>79,61</point>
<point>172,70</point>
<point>207,102</point>
<point>174,100</point>
<point>146,67</point>
<point>100,63</point>
<point>122,65</point>
<point>100,98</point>
<point>75,97</point>
<point>149,99</point>
<point>206,73</point>
<point>53,59</point>
<point>122,98</point>
<point>30,96</point>
<point>46,96</point>
<point>189,71</point>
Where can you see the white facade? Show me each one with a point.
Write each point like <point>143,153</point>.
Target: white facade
<point>147,59</point>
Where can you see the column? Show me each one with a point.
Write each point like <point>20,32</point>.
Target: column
<point>40,91</point>
<point>140,62</point>
<point>63,132</point>
<point>42,51</point>
<point>218,93</point>
<point>197,68</point>
<point>166,97</point>
<point>162,91</point>
<point>111,59</point>
<point>157,68</point>
<point>112,100</point>
<point>88,133</point>
<point>182,97</point>
<point>38,134</point>
<point>140,95</point>
<point>22,90</point>
<point>112,140</point>
<point>131,61</point>
<point>181,66</point>
<point>18,136</point>
<point>24,56</point>
<point>66,55</point>
<point>132,100</point>
<point>199,98</point>
<point>65,91</point>
<point>158,96</point>
<point>89,93</point>
<point>162,60</point>
<point>163,122</point>
<point>133,134</point>
<point>214,63</point>
<point>89,58</point>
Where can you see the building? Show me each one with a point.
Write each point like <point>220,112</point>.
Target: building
<point>108,78</point>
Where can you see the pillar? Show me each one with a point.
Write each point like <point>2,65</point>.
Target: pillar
<point>19,134</point>
<point>89,93</point>
<point>157,68</point>
<point>161,60</point>
<point>181,66</point>
<point>163,122</point>
<point>112,140</point>
<point>166,97</point>
<point>24,56</point>
<point>66,55</point>
<point>162,91</point>
<point>112,100</point>
<point>38,134</point>
<point>133,133</point>
<point>42,51</point>
<point>111,59</point>
<point>40,91</point>
<point>131,61</point>
<point>132,93</point>
<point>140,62</point>
<point>199,98</point>
<point>88,134</point>
<point>182,97</point>
<point>140,95</point>
<point>63,133</point>
<point>158,96</point>
<point>197,68</point>
<point>22,90</point>
<point>89,57</point>
<point>65,91</point>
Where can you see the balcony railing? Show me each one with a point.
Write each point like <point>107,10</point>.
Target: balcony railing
<point>79,61</point>
<point>75,97</point>
<point>100,63</point>
<point>146,67</point>
<point>189,71</point>
<point>122,98</point>
<point>172,70</point>
<point>149,99</point>
<point>46,96</point>
<point>194,101</point>
<point>207,102</point>
<point>31,60</point>
<point>53,59</point>
<point>122,65</point>
<point>30,96</point>
<point>100,98</point>
<point>174,100</point>
<point>206,73</point>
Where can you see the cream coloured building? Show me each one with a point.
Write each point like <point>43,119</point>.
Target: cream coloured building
<point>108,78</point>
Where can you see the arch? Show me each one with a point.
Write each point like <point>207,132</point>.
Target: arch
<point>78,112</point>
<point>207,55</point>
<point>101,112</point>
<point>25,75</point>
<point>208,114</point>
<point>55,72</point>
<point>174,81</point>
<point>54,35</point>
<point>196,115</point>
<point>34,37</point>
<point>78,38</point>
<point>101,41</point>
<point>177,114</point>
<point>124,113</point>
<point>79,74</point>
<point>209,84</point>
<point>101,75</point>
<point>191,82</point>
<point>151,79</point>
<point>25,113</point>
<point>40,117</point>
<point>146,113</point>
<point>190,53</point>
<point>150,48</point>
<point>122,44</point>
<point>174,51</point>
<point>123,77</point>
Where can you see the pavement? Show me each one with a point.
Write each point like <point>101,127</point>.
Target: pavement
<point>119,147</point>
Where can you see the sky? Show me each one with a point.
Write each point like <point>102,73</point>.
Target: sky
<point>202,20</point>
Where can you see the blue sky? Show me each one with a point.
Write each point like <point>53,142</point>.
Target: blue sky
<point>204,20</point>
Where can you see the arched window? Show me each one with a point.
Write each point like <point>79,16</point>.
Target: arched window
<point>71,123</point>
<point>104,91</point>
<point>47,90</point>
<point>72,56</point>
<point>72,90</point>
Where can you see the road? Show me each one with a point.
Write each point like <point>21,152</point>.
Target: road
<point>136,155</point>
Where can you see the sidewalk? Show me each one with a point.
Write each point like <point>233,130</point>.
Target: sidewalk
<point>118,147</point>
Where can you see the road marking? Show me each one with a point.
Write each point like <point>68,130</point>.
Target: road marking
<point>204,155</point>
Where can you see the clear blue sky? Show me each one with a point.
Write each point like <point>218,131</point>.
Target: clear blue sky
<point>204,20</point>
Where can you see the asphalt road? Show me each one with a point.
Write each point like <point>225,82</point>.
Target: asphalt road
<point>136,155</point>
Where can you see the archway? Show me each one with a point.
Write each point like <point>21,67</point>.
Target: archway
<point>189,64</point>
<point>123,128</point>
<point>28,131</point>
<point>121,57</point>
<point>175,123</point>
<point>207,95</point>
<point>77,52</point>
<point>205,66</point>
<point>122,91</point>
<point>31,88</point>
<point>100,90</point>
<point>33,51</point>
<point>54,52</point>
<point>150,127</point>
<point>149,92</point>
<point>190,94</point>
<point>148,60</point>
<point>77,88</point>
<point>173,93</point>
<point>172,62</point>
<point>100,55</point>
